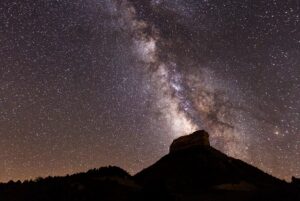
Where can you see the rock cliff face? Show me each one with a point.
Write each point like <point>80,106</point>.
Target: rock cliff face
<point>198,138</point>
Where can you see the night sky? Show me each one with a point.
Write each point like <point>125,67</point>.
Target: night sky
<point>90,83</point>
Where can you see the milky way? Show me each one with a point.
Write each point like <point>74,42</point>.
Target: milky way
<point>85,84</point>
<point>186,102</point>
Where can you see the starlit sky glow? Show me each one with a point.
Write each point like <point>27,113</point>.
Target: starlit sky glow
<point>91,83</point>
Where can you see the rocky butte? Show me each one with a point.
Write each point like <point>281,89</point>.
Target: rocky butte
<point>197,139</point>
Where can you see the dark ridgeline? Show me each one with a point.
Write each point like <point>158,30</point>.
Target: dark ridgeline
<point>193,170</point>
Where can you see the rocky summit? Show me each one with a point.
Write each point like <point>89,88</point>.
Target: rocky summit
<point>197,139</point>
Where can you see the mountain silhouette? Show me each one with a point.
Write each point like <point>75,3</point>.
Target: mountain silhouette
<point>193,170</point>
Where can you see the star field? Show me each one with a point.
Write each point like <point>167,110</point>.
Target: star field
<point>91,83</point>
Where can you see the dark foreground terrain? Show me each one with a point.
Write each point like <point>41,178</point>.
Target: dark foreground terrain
<point>193,170</point>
